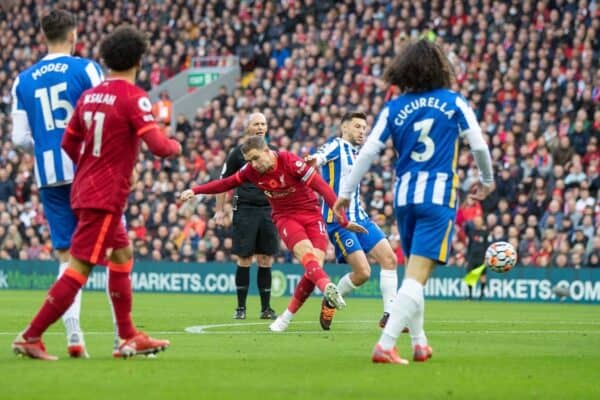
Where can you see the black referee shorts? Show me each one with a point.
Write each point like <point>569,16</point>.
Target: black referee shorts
<point>254,232</point>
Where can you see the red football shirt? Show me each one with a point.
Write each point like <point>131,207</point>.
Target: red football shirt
<point>110,120</point>
<point>285,185</point>
<point>290,187</point>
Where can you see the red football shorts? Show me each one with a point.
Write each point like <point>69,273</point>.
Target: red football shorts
<point>97,231</point>
<point>294,228</point>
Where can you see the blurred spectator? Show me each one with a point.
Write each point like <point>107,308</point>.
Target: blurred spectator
<point>162,109</point>
<point>7,185</point>
<point>533,79</point>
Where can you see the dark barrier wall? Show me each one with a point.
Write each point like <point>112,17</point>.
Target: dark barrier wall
<point>520,284</point>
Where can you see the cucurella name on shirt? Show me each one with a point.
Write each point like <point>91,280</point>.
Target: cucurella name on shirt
<point>432,102</point>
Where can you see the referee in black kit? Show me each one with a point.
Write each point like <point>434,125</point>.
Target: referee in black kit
<point>254,233</point>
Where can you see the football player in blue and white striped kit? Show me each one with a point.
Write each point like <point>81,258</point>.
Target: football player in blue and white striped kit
<point>426,123</point>
<point>43,99</point>
<point>336,159</point>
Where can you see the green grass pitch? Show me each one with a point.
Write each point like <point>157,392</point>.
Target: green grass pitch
<point>482,350</point>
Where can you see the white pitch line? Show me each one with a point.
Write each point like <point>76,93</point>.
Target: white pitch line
<point>204,329</point>
<point>430,332</point>
<point>100,333</point>
<point>208,329</point>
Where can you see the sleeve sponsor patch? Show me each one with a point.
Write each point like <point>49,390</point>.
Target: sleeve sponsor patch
<point>144,104</point>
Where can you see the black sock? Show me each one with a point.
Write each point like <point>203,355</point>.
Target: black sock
<point>470,291</point>
<point>242,280</point>
<point>482,290</point>
<point>263,280</point>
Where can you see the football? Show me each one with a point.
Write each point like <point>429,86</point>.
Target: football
<point>561,290</point>
<point>500,256</point>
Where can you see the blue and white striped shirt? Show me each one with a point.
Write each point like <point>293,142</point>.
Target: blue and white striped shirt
<point>425,129</point>
<point>44,97</point>
<point>336,159</point>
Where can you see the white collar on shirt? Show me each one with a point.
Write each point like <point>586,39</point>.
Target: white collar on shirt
<point>52,56</point>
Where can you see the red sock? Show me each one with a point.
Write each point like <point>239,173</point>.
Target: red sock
<point>119,287</point>
<point>59,299</point>
<point>314,272</point>
<point>301,293</point>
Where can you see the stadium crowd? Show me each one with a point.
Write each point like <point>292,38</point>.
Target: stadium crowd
<point>530,69</point>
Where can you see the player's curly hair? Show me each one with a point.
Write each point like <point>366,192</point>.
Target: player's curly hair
<point>123,48</point>
<point>419,67</point>
<point>56,24</point>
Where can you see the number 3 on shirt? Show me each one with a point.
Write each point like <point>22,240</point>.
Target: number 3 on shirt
<point>424,127</point>
<point>98,119</point>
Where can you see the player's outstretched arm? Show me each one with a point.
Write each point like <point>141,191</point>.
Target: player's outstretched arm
<point>317,184</point>
<point>159,144</point>
<point>213,187</point>
<point>327,152</point>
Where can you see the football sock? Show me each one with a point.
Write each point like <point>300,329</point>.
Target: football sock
<point>482,294</point>
<point>388,284</point>
<point>314,272</point>
<point>60,296</point>
<point>415,325</point>
<point>302,292</point>
<point>287,315</point>
<point>71,317</point>
<point>470,291</point>
<point>345,285</point>
<point>263,280</point>
<point>242,281</point>
<point>403,310</point>
<point>116,338</point>
<point>119,285</point>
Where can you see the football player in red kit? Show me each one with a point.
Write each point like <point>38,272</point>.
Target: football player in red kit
<point>290,186</point>
<point>103,139</point>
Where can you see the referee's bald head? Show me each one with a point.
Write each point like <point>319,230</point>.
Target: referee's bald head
<point>255,124</point>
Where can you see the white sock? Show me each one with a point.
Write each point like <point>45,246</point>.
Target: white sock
<point>287,315</point>
<point>415,326</point>
<point>116,338</point>
<point>345,285</point>
<point>402,311</point>
<point>71,316</point>
<point>388,284</point>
